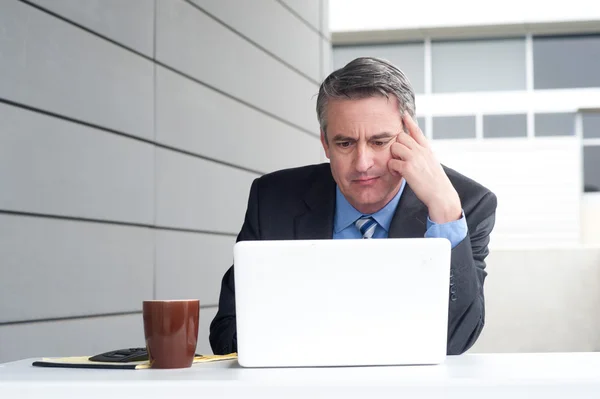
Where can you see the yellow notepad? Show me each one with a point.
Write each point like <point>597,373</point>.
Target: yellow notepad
<point>85,362</point>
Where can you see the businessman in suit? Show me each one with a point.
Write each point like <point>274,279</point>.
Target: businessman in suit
<point>383,180</point>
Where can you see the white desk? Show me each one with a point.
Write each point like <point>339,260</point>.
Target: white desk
<point>512,376</point>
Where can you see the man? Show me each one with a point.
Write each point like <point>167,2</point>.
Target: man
<point>383,180</point>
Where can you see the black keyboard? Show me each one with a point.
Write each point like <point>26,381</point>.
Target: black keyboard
<point>122,355</point>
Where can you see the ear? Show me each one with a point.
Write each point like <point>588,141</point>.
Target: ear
<point>325,144</point>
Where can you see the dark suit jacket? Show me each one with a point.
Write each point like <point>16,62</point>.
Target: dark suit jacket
<point>300,204</point>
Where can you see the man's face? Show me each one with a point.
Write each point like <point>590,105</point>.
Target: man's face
<point>359,135</point>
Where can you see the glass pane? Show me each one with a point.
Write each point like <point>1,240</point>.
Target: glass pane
<point>454,127</point>
<point>408,57</point>
<point>566,62</point>
<point>591,125</point>
<point>505,125</point>
<point>478,65</point>
<point>591,168</point>
<point>421,123</point>
<point>556,124</point>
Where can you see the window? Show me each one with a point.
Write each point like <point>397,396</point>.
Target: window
<point>591,125</point>
<point>409,57</point>
<point>454,127</point>
<point>561,62</point>
<point>505,125</point>
<point>478,65</point>
<point>421,123</point>
<point>591,168</point>
<point>555,124</point>
<point>591,150</point>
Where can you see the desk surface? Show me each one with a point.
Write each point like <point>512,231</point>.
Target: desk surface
<point>547,375</point>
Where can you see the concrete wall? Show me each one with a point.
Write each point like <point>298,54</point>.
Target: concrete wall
<point>538,202</point>
<point>130,132</point>
<point>542,299</point>
<point>544,267</point>
<point>360,15</point>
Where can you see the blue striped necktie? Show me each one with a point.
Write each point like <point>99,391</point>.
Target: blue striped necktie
<point>366,225</point>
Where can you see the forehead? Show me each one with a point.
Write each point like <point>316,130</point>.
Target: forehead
<point>371,112</point>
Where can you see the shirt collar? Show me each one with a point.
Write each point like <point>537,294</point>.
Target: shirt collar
<point>346,214</point>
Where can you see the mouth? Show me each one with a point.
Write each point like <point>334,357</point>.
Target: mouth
<point>366,181</point>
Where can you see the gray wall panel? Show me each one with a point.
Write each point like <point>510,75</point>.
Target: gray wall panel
<point>52,65</point>
<point>83,337</point>
<point>325,18</point>
<point>193,117</point>
<point>79,337</point>
<point>185,40</point>
<point>307,9</point>
<point>252,109</point>
<point>196,194</point>
<point>273,27</point>
<point>62,268</point>
<point>191,265</point>
<point>129,22</point>
<point>51,166</point>
<point>326,59</point>
<point>206,316</point>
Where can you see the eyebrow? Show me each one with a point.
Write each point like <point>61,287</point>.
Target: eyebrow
<point>341,137</point>
<point>379,136</point>
<point>384,135</point>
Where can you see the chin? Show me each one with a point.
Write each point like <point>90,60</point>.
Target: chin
<point>367,201</point>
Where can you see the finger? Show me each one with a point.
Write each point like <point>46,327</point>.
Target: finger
<point>414,130</point>
<point>407,140</point>
<point>396,167</point>
<point>400,151</point>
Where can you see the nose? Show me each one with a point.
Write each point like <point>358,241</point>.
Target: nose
<point>364,159</point>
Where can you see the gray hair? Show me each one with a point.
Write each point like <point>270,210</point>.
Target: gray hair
<point>365,77</point>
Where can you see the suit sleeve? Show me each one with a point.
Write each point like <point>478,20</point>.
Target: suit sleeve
<point>223,337</point>
<point>466,316</point>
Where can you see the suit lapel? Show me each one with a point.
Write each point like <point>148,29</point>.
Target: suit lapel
<point>315,221</point>
<point>410,218</point>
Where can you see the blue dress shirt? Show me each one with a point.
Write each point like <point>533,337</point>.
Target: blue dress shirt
<point>346,215</point>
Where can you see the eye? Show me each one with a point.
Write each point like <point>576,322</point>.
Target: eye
<point>378,143</point>
<point>343,144</point>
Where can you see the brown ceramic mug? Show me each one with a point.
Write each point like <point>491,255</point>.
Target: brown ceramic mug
<point>171,331</point>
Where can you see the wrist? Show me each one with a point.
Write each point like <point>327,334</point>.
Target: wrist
<point>445,211</point>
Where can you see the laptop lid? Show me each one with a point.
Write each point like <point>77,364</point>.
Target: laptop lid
<point>342,302</point>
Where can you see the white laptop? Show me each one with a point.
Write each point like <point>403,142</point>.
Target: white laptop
<point>342,302</point>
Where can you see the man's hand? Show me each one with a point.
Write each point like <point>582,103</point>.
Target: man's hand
<point>413,159</point>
